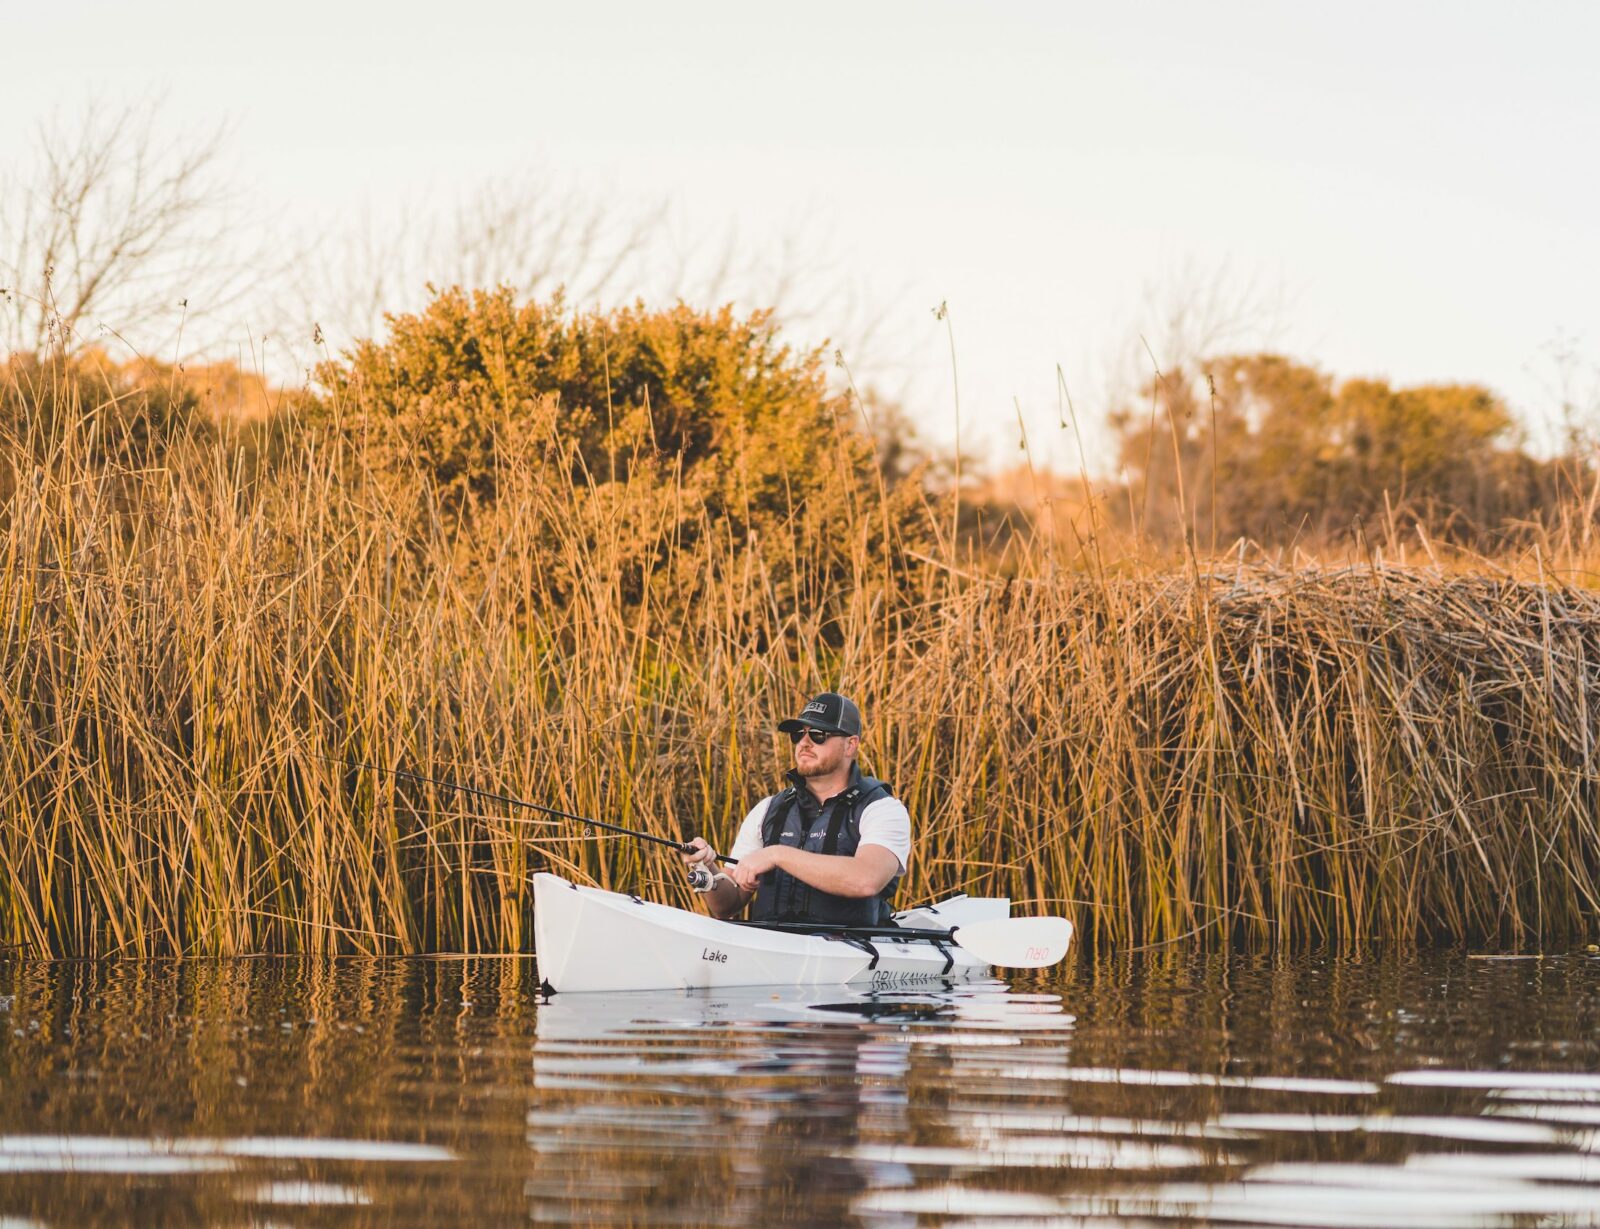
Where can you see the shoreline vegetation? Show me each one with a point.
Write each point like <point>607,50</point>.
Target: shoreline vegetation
<point>590,560</point>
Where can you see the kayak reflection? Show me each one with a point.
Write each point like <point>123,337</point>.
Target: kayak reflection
<point>802,1083</point>
<point>986,1003</point>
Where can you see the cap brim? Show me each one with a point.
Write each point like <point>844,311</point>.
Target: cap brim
<point>794,725</point>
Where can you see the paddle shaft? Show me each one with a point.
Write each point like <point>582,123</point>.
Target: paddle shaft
<point>1012,942</point>
<point>519,802</point>
<point>863,932</point>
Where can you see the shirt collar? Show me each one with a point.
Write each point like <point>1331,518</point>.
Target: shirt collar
<point>807,798</point>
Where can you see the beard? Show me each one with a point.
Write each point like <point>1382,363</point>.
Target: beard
<point>819,766</point>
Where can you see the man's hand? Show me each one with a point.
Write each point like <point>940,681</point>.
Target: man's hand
<point>753,865</point>
<point>863,873</point>
<point>724,898</point>
<point>699,854</point>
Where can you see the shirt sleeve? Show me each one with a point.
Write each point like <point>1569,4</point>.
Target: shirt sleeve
<point>749,838</point>
<point>886,822</point>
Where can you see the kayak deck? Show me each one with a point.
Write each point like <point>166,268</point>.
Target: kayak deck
<point>590,940</point>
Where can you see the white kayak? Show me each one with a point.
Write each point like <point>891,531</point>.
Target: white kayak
<point>587,939</point>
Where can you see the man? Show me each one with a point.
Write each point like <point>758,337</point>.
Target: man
<point>830,848</point>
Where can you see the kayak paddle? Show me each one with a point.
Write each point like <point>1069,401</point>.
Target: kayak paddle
<point>1016,942</point>
<point>1006,942</point>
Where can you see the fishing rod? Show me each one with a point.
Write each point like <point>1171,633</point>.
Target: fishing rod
<point>444,783</point>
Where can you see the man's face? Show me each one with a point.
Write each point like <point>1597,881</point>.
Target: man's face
<point>811,760</point>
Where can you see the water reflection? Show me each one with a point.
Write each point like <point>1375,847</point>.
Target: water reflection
<point>1172,1090</point>
<point>782,1104</point>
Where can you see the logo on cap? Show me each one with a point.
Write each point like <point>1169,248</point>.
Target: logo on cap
<point>828,711</point>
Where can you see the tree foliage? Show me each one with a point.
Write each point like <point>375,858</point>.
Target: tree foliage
<point>713,427</point>
<point>1270,449</point>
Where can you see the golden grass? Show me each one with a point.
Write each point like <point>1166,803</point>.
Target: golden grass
<point>191,652</point>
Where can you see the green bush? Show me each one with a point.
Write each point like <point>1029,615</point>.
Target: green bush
<point>652,432</point>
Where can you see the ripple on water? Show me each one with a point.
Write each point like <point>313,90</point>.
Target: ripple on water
<point>1221,1090</point>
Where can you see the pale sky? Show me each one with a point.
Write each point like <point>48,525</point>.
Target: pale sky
<point>1410,189</point>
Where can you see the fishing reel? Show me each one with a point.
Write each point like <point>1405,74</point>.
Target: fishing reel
<point>703,880</point>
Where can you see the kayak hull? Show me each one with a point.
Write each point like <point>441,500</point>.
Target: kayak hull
<point>588,940</point>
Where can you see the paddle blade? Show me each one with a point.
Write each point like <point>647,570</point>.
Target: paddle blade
<point>1017,942</point>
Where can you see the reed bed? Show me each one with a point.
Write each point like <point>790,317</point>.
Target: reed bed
<point>196,651</point>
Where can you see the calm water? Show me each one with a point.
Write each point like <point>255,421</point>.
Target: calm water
<point>1440,1090</point>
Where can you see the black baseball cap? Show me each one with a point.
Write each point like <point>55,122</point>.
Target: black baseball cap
<point>828,711</point>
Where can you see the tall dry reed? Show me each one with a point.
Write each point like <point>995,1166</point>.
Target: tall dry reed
<point>194,650</point>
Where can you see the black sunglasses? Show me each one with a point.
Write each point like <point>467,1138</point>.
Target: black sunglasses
<point>817,736</point>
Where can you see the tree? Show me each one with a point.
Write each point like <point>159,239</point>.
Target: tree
<point>117,229</point>
<point>521,231</point>
<point>1271,449</point>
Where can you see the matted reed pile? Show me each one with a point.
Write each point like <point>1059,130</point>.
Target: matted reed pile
<point>192,658</point>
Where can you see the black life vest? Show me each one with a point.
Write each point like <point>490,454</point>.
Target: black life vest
<point>782,897</point>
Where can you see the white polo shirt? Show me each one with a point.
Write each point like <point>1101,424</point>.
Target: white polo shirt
<point>884,821</point>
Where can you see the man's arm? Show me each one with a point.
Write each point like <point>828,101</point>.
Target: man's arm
<point>727,899</point>
<point>861,874</point>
